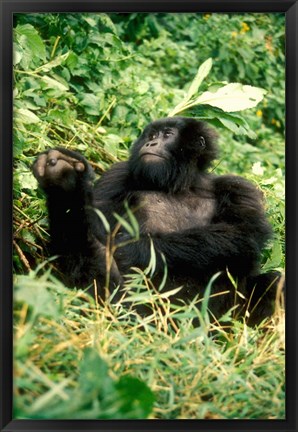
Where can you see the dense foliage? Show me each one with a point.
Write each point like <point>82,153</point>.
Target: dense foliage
<point>91,82</point>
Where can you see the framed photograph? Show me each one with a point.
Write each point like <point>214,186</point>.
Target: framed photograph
<point>148,215</point>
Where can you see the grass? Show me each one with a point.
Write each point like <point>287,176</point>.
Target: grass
<point>172,369</point>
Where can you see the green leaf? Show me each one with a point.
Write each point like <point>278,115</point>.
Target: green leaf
<point>143,87</point>
<point>26,116</point>
<point>132,220</point>
<point>232,97</point>
<point>54,84</point>
<point>90,103</point>
<point>94,373</point>
<point>275,258</point>
<point>170,293</point>
<point>34,292</point>
<point>91,21</point>
<point>150,269</point>
<point>126,225</point>
<point>206,297</point>
<point>216,116</point>
<point>111,143</point>
<point>17,54</point>
<point>237,129</point>
<point>28,39</point>
<point>135,397</point>
<point>65,117</point>
<point>203,71</point>
<point>52,64</point>
<point>26,180</point>
<point>103,220</point>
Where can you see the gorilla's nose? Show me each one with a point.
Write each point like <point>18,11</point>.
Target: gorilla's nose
<point>151,144</point>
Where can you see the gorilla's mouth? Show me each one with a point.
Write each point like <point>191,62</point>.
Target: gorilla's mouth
<point>149,155</point>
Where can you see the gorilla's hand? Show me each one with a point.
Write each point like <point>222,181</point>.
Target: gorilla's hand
<point>60,168</point>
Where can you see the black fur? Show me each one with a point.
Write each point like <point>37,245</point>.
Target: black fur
<point>200,223</point>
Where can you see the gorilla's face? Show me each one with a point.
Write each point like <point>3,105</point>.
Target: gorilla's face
<point>169,152</point>
<point>157,144</point>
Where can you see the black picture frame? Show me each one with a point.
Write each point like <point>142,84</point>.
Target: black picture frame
<point>7,9</point>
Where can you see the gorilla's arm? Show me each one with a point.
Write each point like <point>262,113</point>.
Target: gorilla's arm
<point>66,179</point>
<point>233,238</point>
<point>75,229</point>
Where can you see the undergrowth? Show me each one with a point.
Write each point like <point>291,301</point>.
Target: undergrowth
<point>77,358</point>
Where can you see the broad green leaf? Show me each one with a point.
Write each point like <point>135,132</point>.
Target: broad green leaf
<point>217,117</point>
<point>34,49</point>
<point>26,180</point>
<point>236,128</point>
<point>54,84</point>
<point>112,142</point>
<point>26,116</point>
<point>232,97</point>
<point>91,21</point>
<point>17,54</point>
<point>91,103</point>
<point>34,292</point>
<point>65,117</point>
<point>134,396</point>
<point>94,376</point>
<point>143,87</point>
<point>203,71</point>
<point>106,24</point>
<point>275,258</point>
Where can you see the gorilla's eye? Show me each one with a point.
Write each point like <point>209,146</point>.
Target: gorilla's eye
<point>202,141</point>
<point>167,133</point>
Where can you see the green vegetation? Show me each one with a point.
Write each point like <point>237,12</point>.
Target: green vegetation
<point>91,82</point>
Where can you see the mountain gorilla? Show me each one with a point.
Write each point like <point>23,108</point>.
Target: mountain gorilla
<point>198,222</point>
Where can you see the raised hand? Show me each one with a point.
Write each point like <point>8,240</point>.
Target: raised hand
<point>59,168</point>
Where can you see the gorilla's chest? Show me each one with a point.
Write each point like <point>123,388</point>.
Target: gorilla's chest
<point>160,212</point>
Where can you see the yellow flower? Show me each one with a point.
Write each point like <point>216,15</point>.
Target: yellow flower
<point>207,16</point>
<point>259,113</point>
<point>268,43</point>
<point>244,27</point>
<point>276,123</point>
<point>234,34</point>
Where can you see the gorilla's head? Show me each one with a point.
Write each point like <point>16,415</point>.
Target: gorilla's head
<point>171,152</point>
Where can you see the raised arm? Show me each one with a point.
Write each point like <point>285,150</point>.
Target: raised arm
<point>75,229</point>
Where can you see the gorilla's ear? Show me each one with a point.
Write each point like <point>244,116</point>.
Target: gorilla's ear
<point>199,134</point>
<point>202,141</point>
